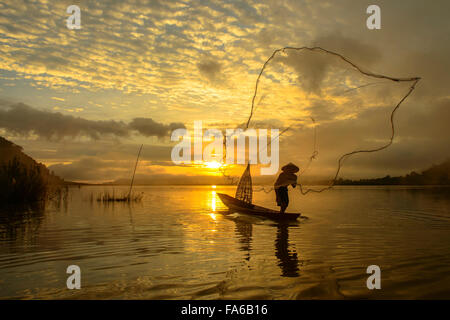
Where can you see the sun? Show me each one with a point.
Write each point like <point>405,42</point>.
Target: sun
<point>213,164</point>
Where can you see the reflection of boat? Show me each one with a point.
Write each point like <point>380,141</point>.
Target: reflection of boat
<point>245,207</point>
<point>244,232</point>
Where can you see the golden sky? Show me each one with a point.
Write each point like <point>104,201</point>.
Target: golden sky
<point>82,101</point>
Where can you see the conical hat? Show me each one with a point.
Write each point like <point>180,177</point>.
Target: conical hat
<point>290,168</point>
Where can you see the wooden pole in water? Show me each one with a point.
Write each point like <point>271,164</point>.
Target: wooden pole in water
<point>132,179</point>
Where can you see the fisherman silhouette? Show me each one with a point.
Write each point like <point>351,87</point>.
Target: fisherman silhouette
<point>287,177</point>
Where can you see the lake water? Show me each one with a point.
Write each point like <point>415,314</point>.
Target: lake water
<point>178,244</point>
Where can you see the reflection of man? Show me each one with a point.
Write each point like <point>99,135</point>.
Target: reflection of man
<point>288,261</point>
<point>287,177</point>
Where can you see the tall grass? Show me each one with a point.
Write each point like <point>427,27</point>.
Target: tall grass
<point>22,184</point>
<point>107,196</point>
<point>129,197</point>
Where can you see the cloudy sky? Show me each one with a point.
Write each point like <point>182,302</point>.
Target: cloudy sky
<point>82,101</point>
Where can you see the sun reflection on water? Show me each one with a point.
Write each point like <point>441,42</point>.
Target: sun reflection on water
<point>213,200</point>
<point>213,204</point>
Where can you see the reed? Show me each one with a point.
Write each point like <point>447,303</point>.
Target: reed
<point>22,184</point>
<point>130,196</point>
<point>107,196</point>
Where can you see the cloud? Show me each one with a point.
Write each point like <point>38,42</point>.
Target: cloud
<point>310,67</point>
<point>315,69</point>
<point>354,49</point>
<point>148,127</point>
<point>21,119</point>
<point>160,53</point>
<point>210,69</point>
<point>106,149</point>
<point>93,169</point>
<point>421,140</point>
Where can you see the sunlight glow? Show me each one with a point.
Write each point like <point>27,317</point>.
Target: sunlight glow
<point>213,164</point>
<point>213,202</point>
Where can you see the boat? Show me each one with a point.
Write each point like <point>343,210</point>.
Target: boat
<point>242,201</point>
<point>252,209</point>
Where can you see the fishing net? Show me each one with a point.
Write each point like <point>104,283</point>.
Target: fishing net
<point>321,100</point>
<point>244,191</point>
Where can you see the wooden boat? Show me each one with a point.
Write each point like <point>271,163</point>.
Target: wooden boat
<point>251,209</point>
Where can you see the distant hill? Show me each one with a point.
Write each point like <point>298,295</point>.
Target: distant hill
<point>171,179</point>
<point>435,175</point>
<point>22,179</point>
